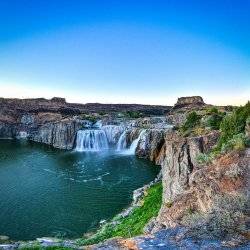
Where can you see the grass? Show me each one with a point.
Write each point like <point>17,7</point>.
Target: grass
<point>133,224</point>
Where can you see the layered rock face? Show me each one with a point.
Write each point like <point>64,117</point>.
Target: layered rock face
<point>188,103</point>
<point>59,105</point>
<point>180,161</point>
<point>59,134</point>
<point>151,144</point>
<point>189,186</point>
<point>56,122</point>
<point>184,101</point>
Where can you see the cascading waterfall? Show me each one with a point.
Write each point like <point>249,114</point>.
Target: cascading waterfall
<point>106,137</point>
<point>122,142</point>
<point>134,144</point>
<point>91,140</point>
<point>113,132</point>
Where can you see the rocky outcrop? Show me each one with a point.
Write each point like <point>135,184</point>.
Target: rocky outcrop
<point>150,145</point>
<point>189,101</point>
<point>60,134</point>
<point>172,238</point>
<point>186,104</point>
<point>189,186</point>
<point>180,161</point>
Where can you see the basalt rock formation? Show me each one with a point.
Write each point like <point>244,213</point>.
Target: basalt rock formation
<point>189,101</point>
<point>56,122</point>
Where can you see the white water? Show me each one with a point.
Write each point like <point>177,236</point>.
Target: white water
<point>91,140</point>
<point>134,144</point>
<point>122,143</point>
<point>113,132</point>
<point>22,135</point>
<point>105,138</point>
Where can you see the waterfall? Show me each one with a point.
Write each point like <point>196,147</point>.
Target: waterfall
<point>22,135</point>
<point>112,132</point>
<point>91,140</point>
<point>122,142</point>
<point>134,144</point>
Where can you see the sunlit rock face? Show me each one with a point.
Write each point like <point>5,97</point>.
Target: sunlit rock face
<point>189,100</point>
<point>186,104</point>
<point>181,160</point>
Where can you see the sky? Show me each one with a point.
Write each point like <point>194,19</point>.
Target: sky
<point>144,51</point>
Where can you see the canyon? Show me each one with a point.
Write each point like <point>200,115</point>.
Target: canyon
<point>190,188</point>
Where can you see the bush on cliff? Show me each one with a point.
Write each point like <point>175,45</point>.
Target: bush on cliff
<point>134,223</point>
<point>233,126</point>
<point>133,114</point>
<point>192,120</point>
<point>214,120</point>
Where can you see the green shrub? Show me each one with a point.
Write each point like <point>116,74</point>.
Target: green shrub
<point>238,142</point>
<point>233,124</point>
<point>133,114</point>
<point>90,118</point>
<point>215,120</point>
<point>212,110</point>
<point>203,158</point>
<point>192,120</point>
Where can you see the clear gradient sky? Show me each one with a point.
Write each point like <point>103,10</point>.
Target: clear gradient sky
<point>126,51</point>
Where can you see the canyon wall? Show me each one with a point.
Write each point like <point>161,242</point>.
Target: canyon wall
<point>56,122</point>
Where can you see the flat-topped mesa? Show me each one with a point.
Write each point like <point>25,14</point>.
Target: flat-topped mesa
<point>58,100</point>
<point>189,102</point>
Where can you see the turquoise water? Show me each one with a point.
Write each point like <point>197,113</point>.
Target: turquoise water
<point>49,192</point>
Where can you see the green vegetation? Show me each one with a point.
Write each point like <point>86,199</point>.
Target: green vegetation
<point>232,137</point>
<point>234,124</point>
<point>215,118</point>
<point>203,158</point>
<point>133,224</point>
<point>237,142</point>
<point>197,124</point>
<point>193,119</point>
<point>133,114</point>
<point>89,117</point>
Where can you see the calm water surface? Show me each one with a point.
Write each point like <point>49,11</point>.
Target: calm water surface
<point>49,192</point>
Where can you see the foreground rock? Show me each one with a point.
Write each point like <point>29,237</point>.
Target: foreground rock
<point>176,238</point>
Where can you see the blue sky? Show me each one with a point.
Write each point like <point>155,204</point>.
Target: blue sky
<point>126,51</point>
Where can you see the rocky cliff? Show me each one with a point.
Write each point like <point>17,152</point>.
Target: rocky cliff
<point>56,122</point>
